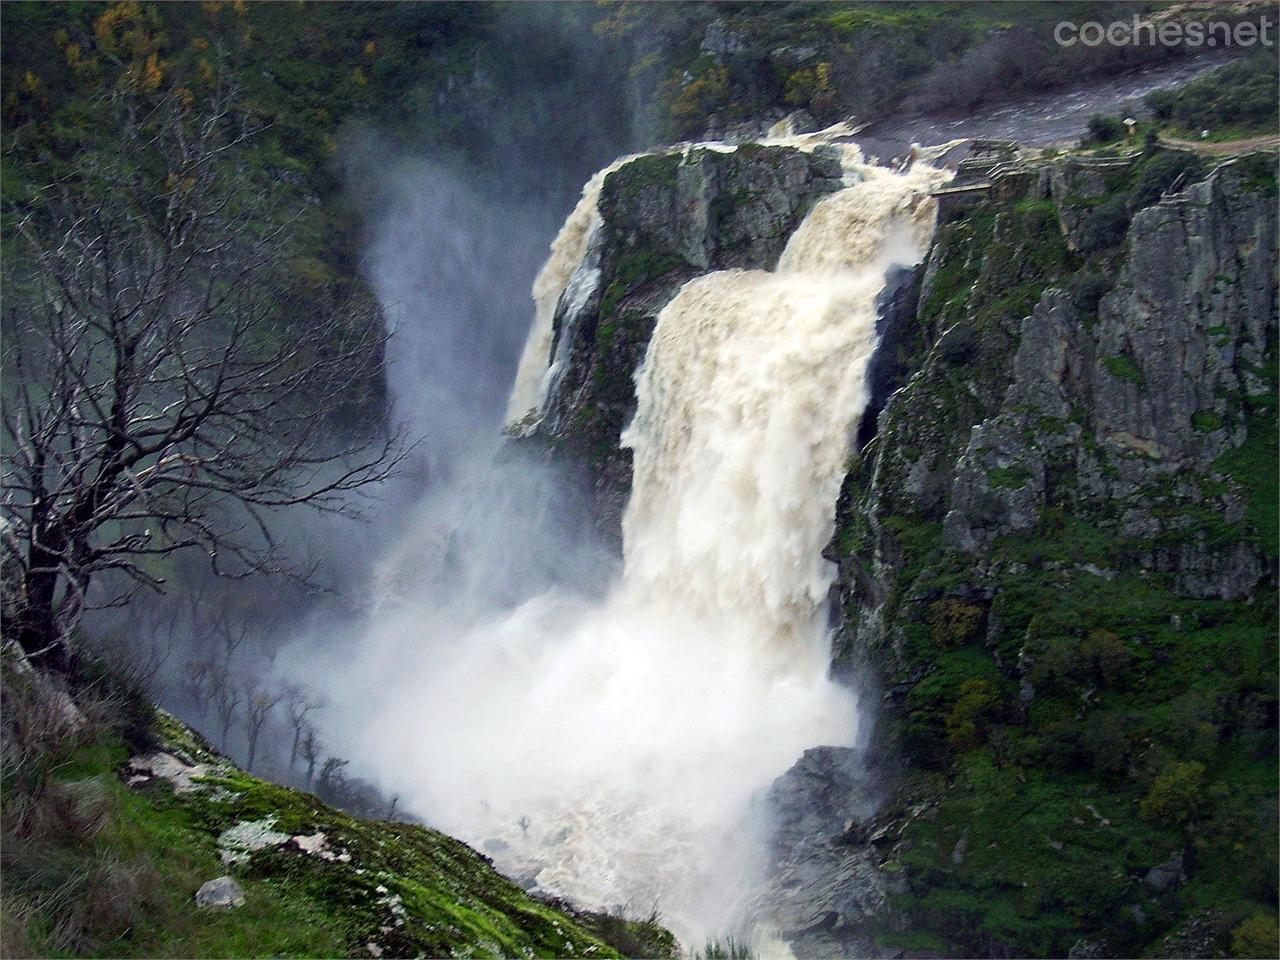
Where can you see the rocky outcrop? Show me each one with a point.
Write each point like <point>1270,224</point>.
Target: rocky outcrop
<point>1080,459</point>
<point>1182,332</point>
<point>665,219</point>
<point>824,890</point>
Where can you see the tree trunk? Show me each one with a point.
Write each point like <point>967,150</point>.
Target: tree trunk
<point>38,633</point>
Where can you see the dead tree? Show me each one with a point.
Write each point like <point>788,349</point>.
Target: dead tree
<point>299,706</point>
<point>231,635</point>
<point>311,747</point>
<point>227,696</point>
<point>198,681</point>
<point>166,386</point>
<point>259,704</point>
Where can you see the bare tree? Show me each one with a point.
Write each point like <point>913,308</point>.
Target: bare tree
<point>198,682</point>
<point>299,705</point>
<point>259,704</point>
<point>161,390</point>
<point>227,696</point>
<point>232,635</point>
<point>311,750</point>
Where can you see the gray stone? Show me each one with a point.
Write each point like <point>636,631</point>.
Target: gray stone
<point>1166,875</point>
<point>221,893</point>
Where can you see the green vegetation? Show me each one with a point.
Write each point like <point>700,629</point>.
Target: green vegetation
<point>96,867</point>
<point>850,58</point>
<point>1125,368</point>
<point>1106,220</point>
<point>1237,100</point>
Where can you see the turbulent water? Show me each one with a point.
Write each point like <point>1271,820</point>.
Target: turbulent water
<point>614,750</point>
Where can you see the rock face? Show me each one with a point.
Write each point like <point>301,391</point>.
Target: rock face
<point>823,891</point>
<point>666,218</point>
<point>1072,489</point>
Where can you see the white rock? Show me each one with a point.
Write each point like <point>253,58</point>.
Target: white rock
<point>168,767</point>
<point>238,842</point>
<point>314,844</point>
<point>221,893</point>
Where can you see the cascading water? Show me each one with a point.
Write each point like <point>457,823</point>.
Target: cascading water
<point>611,751</point>
<point>567,253</point>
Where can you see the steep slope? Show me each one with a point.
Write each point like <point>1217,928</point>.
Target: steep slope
<point>106,846</point>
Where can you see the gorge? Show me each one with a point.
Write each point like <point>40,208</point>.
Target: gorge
<point>843,524</point>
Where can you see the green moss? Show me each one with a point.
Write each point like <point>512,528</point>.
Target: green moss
<point>635,268</point>
<point>1253,466</point>
<point>1009,477</point>
<point>647,172</point>
<point>1206,421</point>
<point>1124,368</point>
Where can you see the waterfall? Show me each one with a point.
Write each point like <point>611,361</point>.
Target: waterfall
<point>613,750</point>
<point>567,253</point>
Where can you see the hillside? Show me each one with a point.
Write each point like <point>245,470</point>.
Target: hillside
<point>116,815</point>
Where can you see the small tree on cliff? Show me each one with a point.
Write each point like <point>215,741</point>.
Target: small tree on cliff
<point>160,390</point>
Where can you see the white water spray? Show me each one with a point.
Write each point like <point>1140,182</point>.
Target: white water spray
<point>612,751</point>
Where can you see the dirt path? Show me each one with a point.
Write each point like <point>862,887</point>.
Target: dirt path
<point>1224,146</point>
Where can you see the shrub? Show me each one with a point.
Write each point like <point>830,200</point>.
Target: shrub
<point>1177,796</point>
<point>1102,129</point>
<point>1109,655</point>
<point>977,701</point>
<point>1241,94</point>
<point>1087,290</point>
<point>1159,174</point>
<point>1105,225</point>
<point>954,622</point>
<point>1258,936</point>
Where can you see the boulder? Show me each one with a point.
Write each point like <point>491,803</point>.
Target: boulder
<point>221,893</point>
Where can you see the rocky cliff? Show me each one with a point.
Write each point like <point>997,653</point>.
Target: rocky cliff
<point>1056,547</point>
<point>1058,571</point>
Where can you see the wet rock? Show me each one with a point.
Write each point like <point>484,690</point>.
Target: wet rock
<point>221,893</point>
<point>825,888</point>
<point>166,766</point>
